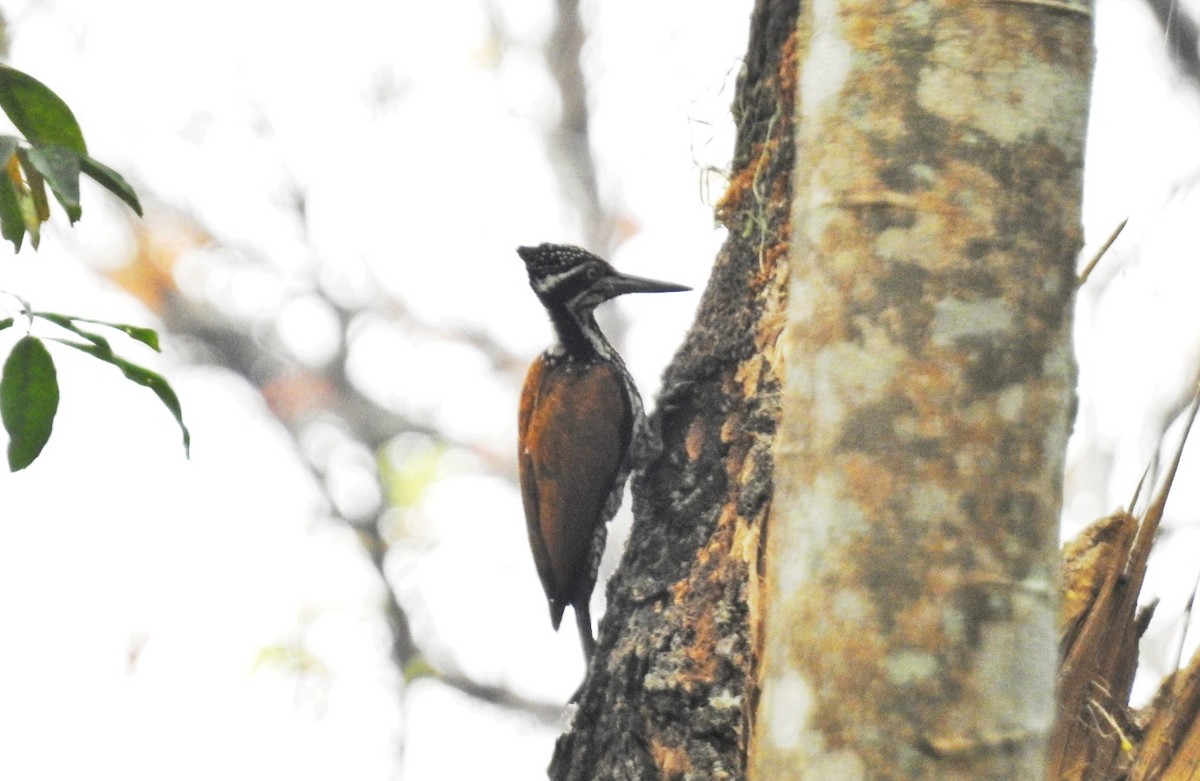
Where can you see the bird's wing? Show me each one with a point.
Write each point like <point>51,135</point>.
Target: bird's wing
<point>575,429</point>
<point>529,487</point>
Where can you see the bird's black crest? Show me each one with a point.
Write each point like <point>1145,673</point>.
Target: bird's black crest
<point>547,259</point>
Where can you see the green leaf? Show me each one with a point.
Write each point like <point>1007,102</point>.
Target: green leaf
<point>29,213</point>
<point>12,222</point>
<point>142,376</point>
<point>103,349</point>
<point>60,166</point>
<point>42,116</point>
<point>166,394</point>
<point>28,400</point>
<point>37,186</point>
<point>147,336</point>
<point>8,147</point>
<point>111,181</point>
<point>6,323</point>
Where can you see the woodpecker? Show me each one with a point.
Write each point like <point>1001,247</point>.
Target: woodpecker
<point>580,420</point>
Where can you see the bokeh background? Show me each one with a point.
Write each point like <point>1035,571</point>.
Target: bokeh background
<point>336,584</point>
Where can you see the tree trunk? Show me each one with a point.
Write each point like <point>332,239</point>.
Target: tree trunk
<point>912,555</point>
<point>912,562</point>
<point>669,693</point>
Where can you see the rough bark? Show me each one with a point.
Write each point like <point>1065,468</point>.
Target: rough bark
<point>670,691</point>
<point>912,560</point>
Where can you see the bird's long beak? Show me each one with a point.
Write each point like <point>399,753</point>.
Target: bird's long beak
<point>627,283</point>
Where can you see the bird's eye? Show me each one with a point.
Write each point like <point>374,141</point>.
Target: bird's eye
<point>592,273</point>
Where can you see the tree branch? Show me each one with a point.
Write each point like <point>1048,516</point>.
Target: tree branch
<point>1181,37</point>
<point>295,394</point>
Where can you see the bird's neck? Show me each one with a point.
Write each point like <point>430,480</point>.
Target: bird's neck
<point>579,336</point>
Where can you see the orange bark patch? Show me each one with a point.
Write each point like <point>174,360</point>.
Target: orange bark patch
<point>693,443</point>
<point>869,483</point>
<point>702,665</point>
<point>695,596</point>
<point>787,70</point>
<point>672,760</point>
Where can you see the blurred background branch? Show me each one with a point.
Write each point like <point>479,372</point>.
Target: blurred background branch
<point>1181,37</point>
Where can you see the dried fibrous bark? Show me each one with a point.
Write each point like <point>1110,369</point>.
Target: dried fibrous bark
<point>912,559</point>
<point>1168,736</point>
<point>1098,736</point>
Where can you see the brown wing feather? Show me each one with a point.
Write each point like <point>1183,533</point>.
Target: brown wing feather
<point>574,433</point>
<point>529,488</point>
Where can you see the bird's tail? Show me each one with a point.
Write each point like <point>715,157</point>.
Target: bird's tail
<point>583,619</point>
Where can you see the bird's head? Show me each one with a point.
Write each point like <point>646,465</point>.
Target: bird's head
<point>574,279</point>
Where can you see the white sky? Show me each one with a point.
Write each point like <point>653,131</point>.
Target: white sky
<point>156,610</point>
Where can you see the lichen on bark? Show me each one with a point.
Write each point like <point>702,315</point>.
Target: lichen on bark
<point>912,556</point>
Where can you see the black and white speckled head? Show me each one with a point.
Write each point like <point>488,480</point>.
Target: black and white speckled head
<point>559,272</point>
<point>574,279</point>
<point>571,282</point>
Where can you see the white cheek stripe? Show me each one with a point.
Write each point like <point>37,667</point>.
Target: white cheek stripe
<point>546,284</point>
